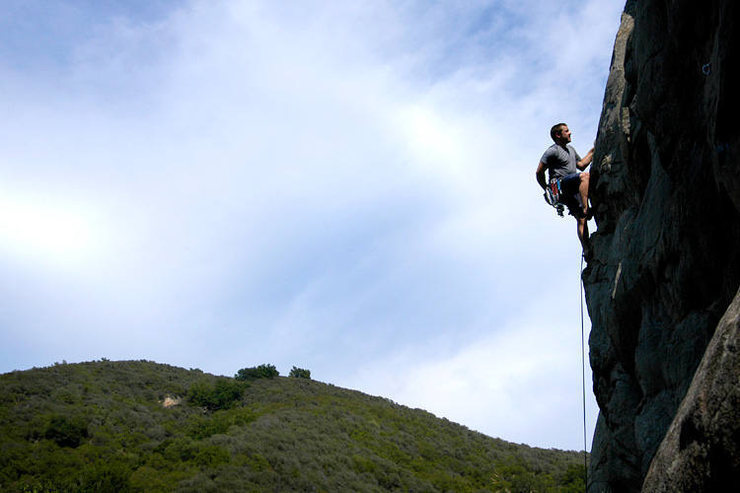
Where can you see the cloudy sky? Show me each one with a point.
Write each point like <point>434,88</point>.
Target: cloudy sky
<point>346,187</point>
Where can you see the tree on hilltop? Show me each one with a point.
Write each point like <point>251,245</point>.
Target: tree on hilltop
<point>255,372</point>
<point>300,373</point>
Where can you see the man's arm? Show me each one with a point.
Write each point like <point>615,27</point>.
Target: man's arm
<point>541,175</point>
<point>583,163</point>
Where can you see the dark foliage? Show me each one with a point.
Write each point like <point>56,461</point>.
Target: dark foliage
<point>300,373</point>
<point>221,394</point>
<point>255,372</point>
<point>66,431</point>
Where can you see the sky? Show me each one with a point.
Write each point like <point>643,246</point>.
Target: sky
<point>345,187</point>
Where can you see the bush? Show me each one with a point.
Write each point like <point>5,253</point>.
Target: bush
<point>261,371</point>
<point>574,479</point>
<point>112,476</point>
<point>300,373</point>
<point>66,432</point>
<point>221,395</point>
<point>211,455</point>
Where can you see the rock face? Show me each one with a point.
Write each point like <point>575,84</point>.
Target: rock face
<point>701,451</point>
<point>665,185</point>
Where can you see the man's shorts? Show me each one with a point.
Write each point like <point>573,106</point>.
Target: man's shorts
<point>570,196</point>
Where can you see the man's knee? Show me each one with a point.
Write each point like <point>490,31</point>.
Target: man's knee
<point>585,176</point>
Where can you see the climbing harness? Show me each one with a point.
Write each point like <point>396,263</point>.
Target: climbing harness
<point>583,378</point>
<point>552,197</point>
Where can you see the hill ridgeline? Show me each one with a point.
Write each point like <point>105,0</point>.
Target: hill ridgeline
<point>144,427</point>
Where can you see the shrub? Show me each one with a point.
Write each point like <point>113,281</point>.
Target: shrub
<point>300,373</point>
<point>261,371</point>
<point>65,431</point>
<point>111,476</point>
<point>211,455</point>
<point>574,479</point>
<point>221,395</point>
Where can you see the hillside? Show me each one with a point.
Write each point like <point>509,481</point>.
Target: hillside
<point>104,426</point>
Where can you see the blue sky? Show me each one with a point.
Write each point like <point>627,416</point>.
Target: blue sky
<point>346,187</point>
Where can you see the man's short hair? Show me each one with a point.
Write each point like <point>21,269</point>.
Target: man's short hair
<point>556,129</point>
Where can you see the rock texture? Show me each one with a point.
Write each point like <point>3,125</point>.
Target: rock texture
<point>701,451</point>
<point>665,185</point>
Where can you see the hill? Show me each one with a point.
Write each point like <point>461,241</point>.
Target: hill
<point>143,426</point>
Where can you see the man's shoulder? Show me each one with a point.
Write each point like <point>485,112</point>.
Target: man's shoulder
<point>552,151</point>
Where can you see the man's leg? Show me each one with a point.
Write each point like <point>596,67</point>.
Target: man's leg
<point>583,191</point>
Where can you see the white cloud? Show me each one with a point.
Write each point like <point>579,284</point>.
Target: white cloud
<point>49,231</point>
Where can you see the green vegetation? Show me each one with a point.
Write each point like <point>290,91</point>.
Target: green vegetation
<point>300,373</point>
<point>261,371</point>
<point>222,394</point>
<point>145,427</point>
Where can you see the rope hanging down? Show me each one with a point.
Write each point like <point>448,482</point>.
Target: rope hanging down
<point>583,378</point>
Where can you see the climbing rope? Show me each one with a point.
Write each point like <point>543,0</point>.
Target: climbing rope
<point>583,380</point>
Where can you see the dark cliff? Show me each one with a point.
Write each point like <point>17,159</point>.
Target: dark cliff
<point>666,265</point>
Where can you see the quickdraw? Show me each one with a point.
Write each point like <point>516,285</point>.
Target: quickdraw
<point>552,197</point>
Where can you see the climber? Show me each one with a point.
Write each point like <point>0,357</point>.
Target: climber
<point>563,164</point>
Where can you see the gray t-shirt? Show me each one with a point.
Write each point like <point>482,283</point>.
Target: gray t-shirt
<point>559,162</point>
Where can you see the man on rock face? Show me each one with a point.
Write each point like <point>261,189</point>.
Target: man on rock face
<point>563,164</point>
